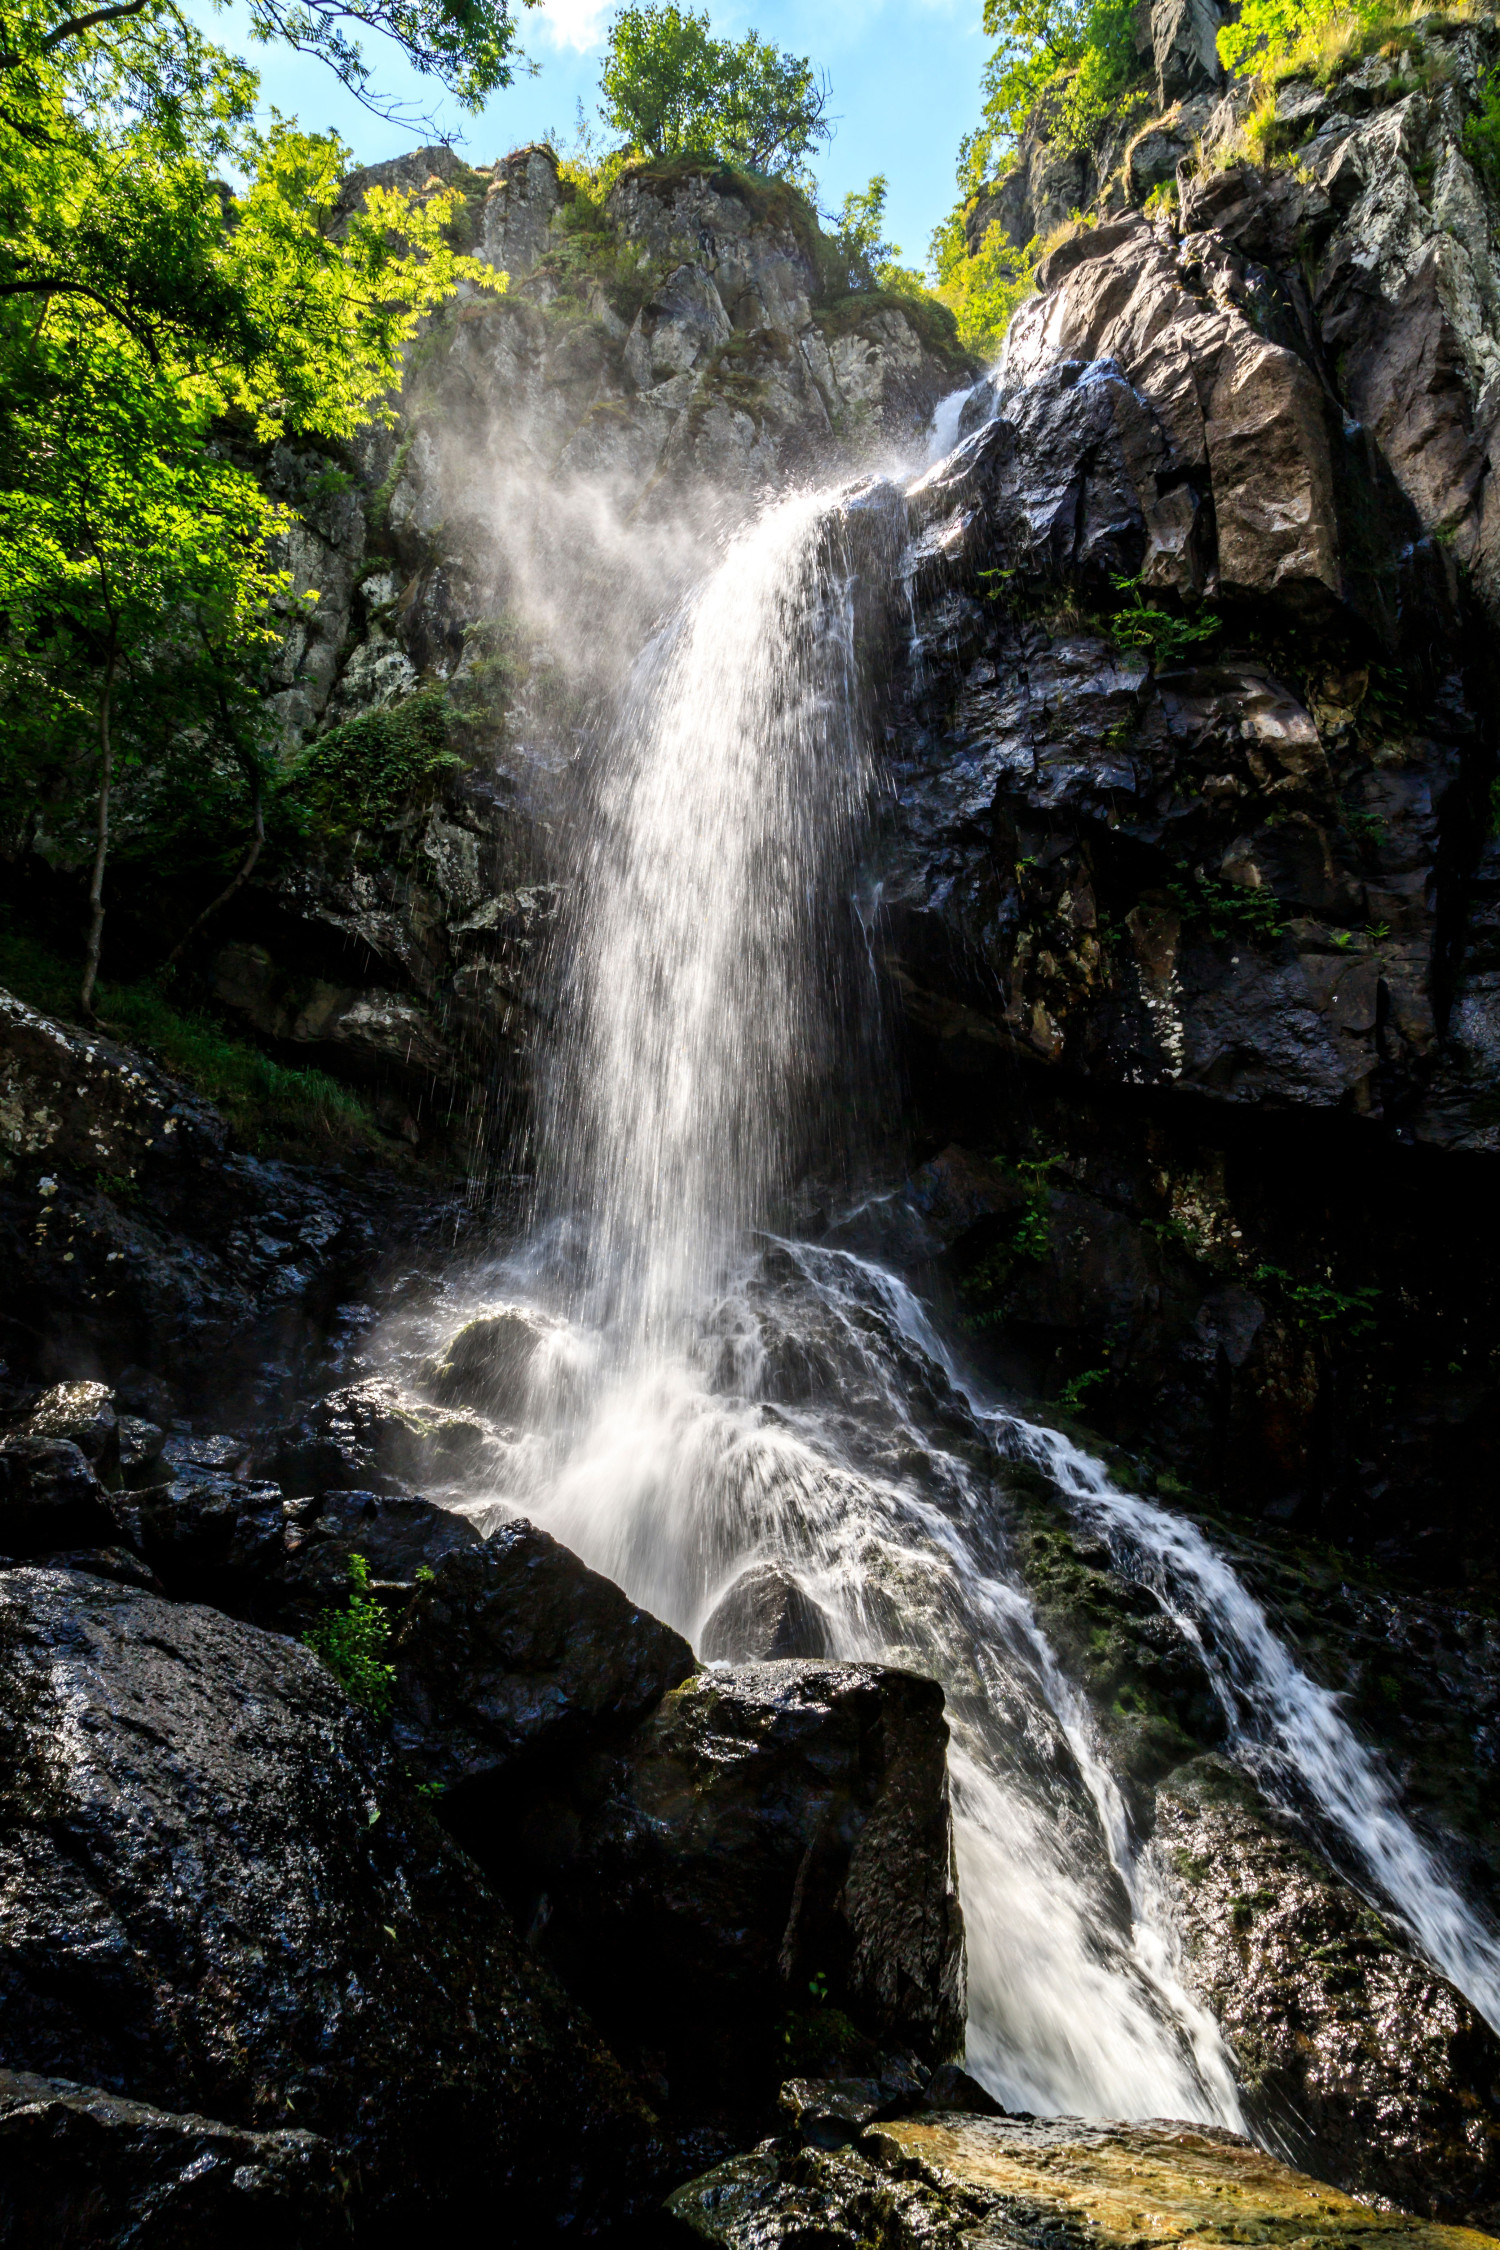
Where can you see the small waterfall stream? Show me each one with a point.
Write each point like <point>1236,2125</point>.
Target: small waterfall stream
<point>715,1394</point>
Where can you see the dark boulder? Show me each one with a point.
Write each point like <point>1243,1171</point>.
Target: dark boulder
<point>952,2088</point>
<point>248,1549</point>
<point>396,1536</point>
<point>49,1497</point>
<point>116,1563</point>
<point>215,1539</point>
<point>222,1897</point>
<point>489,1362</point>
<point>140,1449</point>
<point>80,2168</point>
<point>772,1839</point>
<point>516,1650</point>
<point>765,1613</point>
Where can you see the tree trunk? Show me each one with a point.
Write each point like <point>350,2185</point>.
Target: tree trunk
<point>246,869</point>
<point>101,847</point>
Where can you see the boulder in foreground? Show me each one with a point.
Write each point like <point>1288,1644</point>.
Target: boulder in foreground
<point>955,2182</point>
<point>514,1649</point>
<point>219,1896</point>
<point>79,2168</point>
<point>773,1839</point>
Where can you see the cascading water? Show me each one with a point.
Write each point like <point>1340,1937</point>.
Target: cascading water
<point>713,1398</point>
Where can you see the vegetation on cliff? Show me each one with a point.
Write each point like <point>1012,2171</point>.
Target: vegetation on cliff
<point>157,334</point>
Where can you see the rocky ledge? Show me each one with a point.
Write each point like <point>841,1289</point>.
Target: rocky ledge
<point>939,2182</point>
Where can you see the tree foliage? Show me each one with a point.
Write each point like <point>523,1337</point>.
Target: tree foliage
<point>156,332</point>
<point>862,256</point>
<point>671,88</point>
<point>1073,54</point>
<point>1064,62</point>
<point>981,290</point>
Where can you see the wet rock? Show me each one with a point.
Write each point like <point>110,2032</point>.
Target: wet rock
<point>831,2112</point>
<point>49,1497</point>
<point>83,1414</point>
<point>515,1652</point>
<point>80,2167</point>
<point>135,1236</point>
<point>140,1449</point>
<point>371,1436</point>
<point>115,1563</point>
<point>209,1538</point>
<point>953,2088</point>
<point>945,2183</point>
<point>489,1361</point>
<point>147,1398</point>
<point>767,1831</point>
<point>220,1897</point>
<point>1379,2072</point>
<point>190,1459</point>
<point>765,1613</point>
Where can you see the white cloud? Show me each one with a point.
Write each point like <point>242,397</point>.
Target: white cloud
<point>574,23</point>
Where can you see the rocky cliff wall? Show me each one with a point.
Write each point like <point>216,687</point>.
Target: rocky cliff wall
<point>1189,884</point>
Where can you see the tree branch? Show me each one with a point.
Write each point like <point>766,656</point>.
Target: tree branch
<point>71,26</point>
<point>54,285</point>
<point>246,870</point>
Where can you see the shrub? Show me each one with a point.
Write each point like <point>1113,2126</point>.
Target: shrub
<point>352,1642</point>
<point>1138,625</point>
<point>1227,909</point>
<point>1481,136</point>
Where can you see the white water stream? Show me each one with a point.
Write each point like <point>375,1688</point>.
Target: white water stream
<point>713,1396</point>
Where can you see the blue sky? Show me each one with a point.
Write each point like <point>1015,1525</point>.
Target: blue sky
<point>904,73</point>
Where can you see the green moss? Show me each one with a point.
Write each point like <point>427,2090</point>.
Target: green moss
<point>361,774</point>
<point>1143,1679</point>
<point>267,1105</point>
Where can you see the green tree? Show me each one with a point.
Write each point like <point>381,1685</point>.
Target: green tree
<point>468,46</point>
<point>867,260</point>
<point>983,288</point>
<point>1075,54</point>
<point>155,332</point>
<point>671,88</point>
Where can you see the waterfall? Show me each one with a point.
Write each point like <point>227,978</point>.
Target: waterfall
<point>718,1393</point>
<point>704,999</point>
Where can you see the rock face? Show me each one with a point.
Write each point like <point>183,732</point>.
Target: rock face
<point>946,2182</point>
<point>765,1614</point>
<point>1186,881</point>
<point>1338,2033</point>
<point>220,1898</point>
<point>49,1498</point>
<point>769,1831</point>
